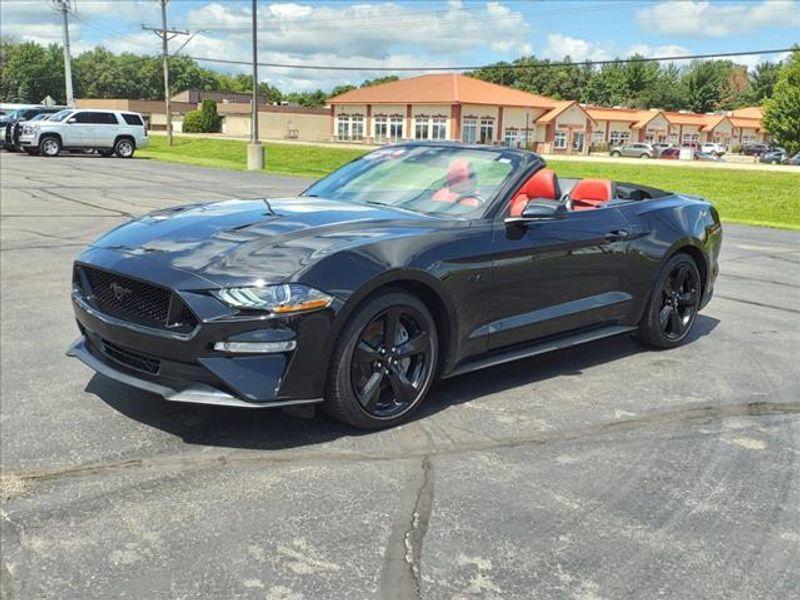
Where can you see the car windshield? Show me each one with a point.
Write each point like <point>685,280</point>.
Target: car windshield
<point>60,115</point>
<point>435,180</point>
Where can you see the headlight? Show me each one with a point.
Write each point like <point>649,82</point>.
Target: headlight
<point>278,299</point>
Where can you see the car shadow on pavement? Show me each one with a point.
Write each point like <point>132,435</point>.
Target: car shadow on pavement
<point>272,429</point>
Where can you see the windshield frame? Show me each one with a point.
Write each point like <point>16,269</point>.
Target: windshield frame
<point>529,163</point>
<point>68,112</point>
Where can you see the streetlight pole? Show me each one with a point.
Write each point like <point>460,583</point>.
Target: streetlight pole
<point>255,149</point>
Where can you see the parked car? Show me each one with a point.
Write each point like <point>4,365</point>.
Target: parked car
<point>414,261</point>
<point>13,124</point>
<point>670,154</point>
<point>707,156</point>
<point>794,160</point>
<point>774,157</point>
<point>635,150</point>
<point>659,147</point>
<point>107,131</point>
<point>713,148</point>
<point>693,145</point>
<point>755,149</point>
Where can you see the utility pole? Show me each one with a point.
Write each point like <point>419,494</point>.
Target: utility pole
<point>65,7</point>
<point>255,150</point>
<point>166,34</point>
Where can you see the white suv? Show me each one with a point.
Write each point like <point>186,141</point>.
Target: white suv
<point>713,148</point>
<point>107,131</point>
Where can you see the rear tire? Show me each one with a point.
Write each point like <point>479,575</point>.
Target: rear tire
<point>673,305</point>
<point>384,362</point>
<point>124,148</point>
<point>50,146</point>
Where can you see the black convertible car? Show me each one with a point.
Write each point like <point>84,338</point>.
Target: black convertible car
<point>415,261</point>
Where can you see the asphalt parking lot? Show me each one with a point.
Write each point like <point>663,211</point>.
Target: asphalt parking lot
<point>605,471</point>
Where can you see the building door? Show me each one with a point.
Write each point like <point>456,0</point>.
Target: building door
<point>578,138</point>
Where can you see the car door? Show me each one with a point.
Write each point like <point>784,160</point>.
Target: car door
<point>559,275</point>
<point>78,131</point>
<point>105,130</point>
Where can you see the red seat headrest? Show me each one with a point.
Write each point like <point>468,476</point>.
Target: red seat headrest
<point>597,190</point>
<point>591,193</point>
<point>459,171</point>
<point>542,184</point>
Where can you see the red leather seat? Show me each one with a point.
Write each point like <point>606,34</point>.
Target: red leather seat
<point>460,179</point>
<point>542,184</point>
<point>591,193</point>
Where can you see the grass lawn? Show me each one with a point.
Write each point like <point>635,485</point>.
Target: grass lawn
<point>286,159</point>
<point>742,196</point>
<point>752,197</point>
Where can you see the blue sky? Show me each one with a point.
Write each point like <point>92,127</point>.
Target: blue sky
<point>403,34</point>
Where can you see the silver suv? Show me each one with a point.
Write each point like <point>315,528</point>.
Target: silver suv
<point>107,131</point>
<point>635,150</point>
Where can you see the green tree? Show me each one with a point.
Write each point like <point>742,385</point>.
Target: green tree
<point>702,84</point>
<point>341,89</point>
<point>32,72</point>
<point>762,81</point>
<point>782,111</point>
<point>204,120</point>
<point>379,80</point>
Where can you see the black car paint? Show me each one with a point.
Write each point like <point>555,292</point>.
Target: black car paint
<point>491,285</point>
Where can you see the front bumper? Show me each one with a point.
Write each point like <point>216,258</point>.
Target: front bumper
<point>186,367</point>
<point>28,139</point>
<point>197,393</point>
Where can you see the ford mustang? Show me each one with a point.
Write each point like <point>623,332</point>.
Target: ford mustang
<point>413,262</point>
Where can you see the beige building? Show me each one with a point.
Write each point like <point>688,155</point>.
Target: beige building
<point>451,106</point>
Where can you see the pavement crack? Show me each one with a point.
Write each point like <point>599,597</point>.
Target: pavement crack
<point>401,573</point>
<point>198,462</point>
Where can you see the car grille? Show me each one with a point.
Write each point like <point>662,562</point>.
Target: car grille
<point>129,358</point>
<point>134,300</point>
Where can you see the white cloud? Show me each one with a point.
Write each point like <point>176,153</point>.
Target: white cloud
<point>705,19</point>
<point>560,46</point>
<point>347,31</point>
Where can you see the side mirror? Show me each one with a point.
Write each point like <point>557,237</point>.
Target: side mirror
<point>540,209</point>
<point>72,120</point>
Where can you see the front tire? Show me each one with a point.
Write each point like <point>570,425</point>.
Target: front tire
<point>50,147</point>
<point>673,305</point>
<point>384,362</point>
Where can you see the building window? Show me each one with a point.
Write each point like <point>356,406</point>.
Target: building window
<point>619,138</point>
<point>396,128</point>
<point>598,137</point>
<point>343,127</point>
<point>381,128</point>
<point>690,137</point>
<point>439,129</point>
<point>511,138</point>
<point>469,130</point>
<point>487,131</point>
<point>560,140</point>
<point>673,138</point>
<point>357,127</point>
<point>421,128</point>
<point>578,138</point>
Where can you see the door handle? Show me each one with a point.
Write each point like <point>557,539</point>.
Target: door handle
<point>616,235</point>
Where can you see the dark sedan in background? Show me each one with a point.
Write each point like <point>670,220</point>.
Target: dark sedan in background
<point>413,262</point>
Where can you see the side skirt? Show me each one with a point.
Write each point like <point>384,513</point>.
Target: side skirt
<point>567,341</point>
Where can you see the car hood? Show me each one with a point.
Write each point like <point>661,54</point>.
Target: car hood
<point>271,240</point>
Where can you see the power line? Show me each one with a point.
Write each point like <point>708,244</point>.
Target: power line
<point>506,66</point>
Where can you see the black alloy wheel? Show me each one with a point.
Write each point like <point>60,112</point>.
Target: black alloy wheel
<point>673,305</point>
<point>679,300</point>
<point>384,362</point>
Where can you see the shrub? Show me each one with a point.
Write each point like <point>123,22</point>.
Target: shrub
<point>736,149</point>
<point>205,120</point>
